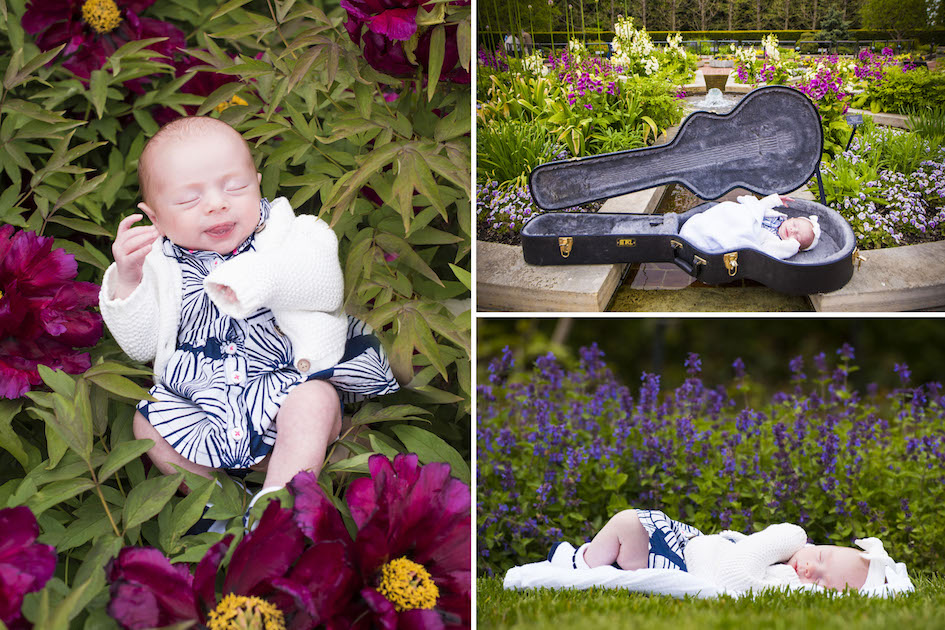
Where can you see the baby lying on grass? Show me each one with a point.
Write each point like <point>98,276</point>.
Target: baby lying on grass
<point>777,556</point>
<point>751,223</point>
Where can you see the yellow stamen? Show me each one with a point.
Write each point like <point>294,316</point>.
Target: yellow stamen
<point>238,612</point>
<point>407,585</point>
<point>101,15</point>
<point>236,100</point>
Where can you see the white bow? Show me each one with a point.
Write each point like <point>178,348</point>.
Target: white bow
<point>885,576</point>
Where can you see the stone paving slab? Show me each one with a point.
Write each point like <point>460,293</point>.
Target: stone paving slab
<point>894,279</point>
<point>505,282</point>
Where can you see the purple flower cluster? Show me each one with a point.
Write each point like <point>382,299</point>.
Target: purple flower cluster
<point>562,449</point>
<point>505,212</point>
<point>895,204</point>
<point>872,67</point>
<point>497,60</point>
<point>584,79</point>
<point>825,86</point>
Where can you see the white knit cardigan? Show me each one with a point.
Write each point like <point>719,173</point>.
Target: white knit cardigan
<point>294,271</point>
<point>740,563</point>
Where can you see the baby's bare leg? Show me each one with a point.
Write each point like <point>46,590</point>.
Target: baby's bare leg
<point>622,539</point>
<point>162,454</point>
<point>307,422</point>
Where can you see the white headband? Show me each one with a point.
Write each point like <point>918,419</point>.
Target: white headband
<point>885,576</point>
<point>816,225</point>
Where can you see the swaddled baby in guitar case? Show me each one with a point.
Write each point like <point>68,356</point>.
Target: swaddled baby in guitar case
<point>769,144</point>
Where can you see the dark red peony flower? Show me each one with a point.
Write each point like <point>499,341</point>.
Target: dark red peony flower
<point>93,29</point>
<point>412,546</point>
<point>25,565</point>
<point>42,311</point>
<point>393,19</point>
<point>273,574</point>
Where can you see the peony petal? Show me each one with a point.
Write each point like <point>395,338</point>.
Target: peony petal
<point>419,620</point>
<point>314,513</point>
<point>13,383</point>
<point>13,586</point>
<point>396,24</point>
<point>19,529</point>
<point>266,553</point>
<point>148,568</point>
<point>385,55</point>
<point>205,576</point>
<point>361,500</point>
<point>386,616</point>
<point>328,571</point>
<point>134,606</point>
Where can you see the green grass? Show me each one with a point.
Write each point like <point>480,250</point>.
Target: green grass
<point>612,608</point>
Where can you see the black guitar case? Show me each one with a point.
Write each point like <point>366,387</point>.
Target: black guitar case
<point>771,142</point>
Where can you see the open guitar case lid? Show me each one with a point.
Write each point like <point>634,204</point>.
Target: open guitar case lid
<point>771,142</point>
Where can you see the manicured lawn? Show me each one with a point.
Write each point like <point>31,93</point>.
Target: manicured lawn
<point>607,608</point>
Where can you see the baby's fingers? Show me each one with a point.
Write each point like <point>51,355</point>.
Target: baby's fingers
<point>139,239</point>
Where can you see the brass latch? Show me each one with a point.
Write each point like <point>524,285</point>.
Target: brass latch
<point>675,244</point>
<point>858,258</point>
<point>626,242</point>
<point>731,262</point>
<point>698,260</point>
<point>564,244</point>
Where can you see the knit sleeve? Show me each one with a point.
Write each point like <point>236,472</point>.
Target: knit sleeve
<point>300,273</point>
<point>745,566</point>
<point>133,321</point>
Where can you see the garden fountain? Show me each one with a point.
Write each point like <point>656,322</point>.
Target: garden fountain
<point>714,101</point>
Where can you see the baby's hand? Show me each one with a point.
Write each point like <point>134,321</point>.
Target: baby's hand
<point>227,293</point>
<point>131,246</point>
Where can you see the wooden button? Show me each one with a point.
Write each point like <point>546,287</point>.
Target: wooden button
<point>303,365</point>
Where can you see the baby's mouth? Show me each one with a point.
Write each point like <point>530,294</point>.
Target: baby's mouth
<point>221,230</point>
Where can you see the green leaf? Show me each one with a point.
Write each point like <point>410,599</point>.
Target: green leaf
<point>462,275</point>
<point>120,386</point>
<point>121,455</point>
<point>57,492</point>
<point>186,513</point>
<point>223,93</point>
<point>396,245</point>
<point>148,498</point>
<point>356,464</point>
<point>74,603</point>
<point>58,381</point>
<point>9,82</point>
<point>63,419</point>
<point>98,90</point>
<point>9,440</point>
<point>432,448</point>
<point>437,52</point>
<point>376,412</point>
<point>112,367</point>
<point>80,225</point>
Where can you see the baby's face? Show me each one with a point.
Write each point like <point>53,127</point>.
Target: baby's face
<point>830,566</point>
<point>798,228</point>
<point>204,190</point>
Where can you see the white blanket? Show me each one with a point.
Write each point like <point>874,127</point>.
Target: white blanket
<point>651,581</point>
<point>729,226</point>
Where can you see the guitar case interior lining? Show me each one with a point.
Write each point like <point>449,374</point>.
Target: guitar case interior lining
<point>771,142</point>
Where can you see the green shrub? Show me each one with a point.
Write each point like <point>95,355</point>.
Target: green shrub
<point>903,91</point>
<point>382,158</point>
<point>508,150</point>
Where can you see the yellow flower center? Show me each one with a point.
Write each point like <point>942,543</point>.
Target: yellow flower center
<point>101,15</point>
<point>236,100</point>
<point>407,585</point>
<point>238,612</point>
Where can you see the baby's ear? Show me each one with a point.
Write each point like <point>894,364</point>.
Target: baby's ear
<point>258,178</point>
<point>146,209</point>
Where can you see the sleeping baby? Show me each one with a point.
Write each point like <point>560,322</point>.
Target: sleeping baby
<point>751,223</point>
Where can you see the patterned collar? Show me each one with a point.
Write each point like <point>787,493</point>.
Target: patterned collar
<point>173,250</point>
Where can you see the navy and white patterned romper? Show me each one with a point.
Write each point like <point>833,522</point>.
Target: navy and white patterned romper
<point>668,540</point>
<point>224,384</point>
<point>772,224</point>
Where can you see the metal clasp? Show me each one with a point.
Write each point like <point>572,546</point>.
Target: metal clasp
<point>858,258</point>
<point>564,244</point>
<point>626,242</point>
<point>675,244</point>
<point>731,262</point>
<point>698,260</point>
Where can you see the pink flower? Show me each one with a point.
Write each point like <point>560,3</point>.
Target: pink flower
<point>412,544</point>
<point>93,29</point>
<point>25,565</point>
<point>43,316</point>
